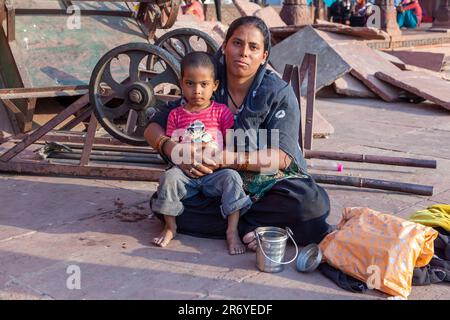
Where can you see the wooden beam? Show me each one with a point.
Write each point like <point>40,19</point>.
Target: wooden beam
<point>28,121</point>
<point>104,171</point>
<point>14,124</point>
<point>310,99</point>
<point>45,92</point>
<point>10,21</point>
<point>89,140</point>
<point>30,11</point>
<point>16,115</point>
<point>2,11</point>
<point>84,115</point>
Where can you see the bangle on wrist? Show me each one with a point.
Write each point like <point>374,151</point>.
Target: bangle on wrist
<point>162,146</point>
<point>160,142</point>
<point>242,164</point>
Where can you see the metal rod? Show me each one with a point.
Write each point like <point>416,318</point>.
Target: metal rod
<point>128,149</point>
<point>116,153</point>
<point>66,155</point>
<point>354,157</point>
<point>418,189</point>
<point>36,11</point>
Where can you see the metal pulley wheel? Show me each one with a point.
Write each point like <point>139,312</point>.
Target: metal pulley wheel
<point>126,83</point>
<point>181,41</point>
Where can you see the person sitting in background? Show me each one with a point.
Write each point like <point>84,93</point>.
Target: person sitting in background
<point>341,11</point>
<point>409,14</point>
<point>195,8</point>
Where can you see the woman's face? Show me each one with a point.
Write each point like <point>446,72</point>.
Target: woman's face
<point>244,52</point>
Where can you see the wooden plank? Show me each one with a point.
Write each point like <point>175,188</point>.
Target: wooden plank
<point>78,119</point>
<point>44,92</point>
<point>422,85</point>
<point>10,21</point>
<point>16,115</point>
<point>70,55</point>
<point>310,99</point>
<point>89,140</point>
<point>32,11</point>
<point>14,125</point>
<point>135,173</point>
<point>28,121</point>
<point>2,11</point>
<point>40,132</point>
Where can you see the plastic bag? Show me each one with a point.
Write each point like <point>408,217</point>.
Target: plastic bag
<point>379,249</point>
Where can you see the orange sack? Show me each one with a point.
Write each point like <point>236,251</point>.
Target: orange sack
<point>379,249</point>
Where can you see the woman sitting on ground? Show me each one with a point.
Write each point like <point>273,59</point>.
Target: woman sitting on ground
<point>283,193</point>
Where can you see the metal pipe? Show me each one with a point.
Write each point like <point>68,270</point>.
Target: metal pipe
<point>419,189</point>
<point>119,158</point>
<point>132,149</point>
<point>353,157</point>
<point>116,153</point>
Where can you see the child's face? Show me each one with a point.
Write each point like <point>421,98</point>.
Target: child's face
<point>198,86</point>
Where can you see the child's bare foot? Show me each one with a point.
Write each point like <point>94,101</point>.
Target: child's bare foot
<point>165,237</point>
<point>235,246</point>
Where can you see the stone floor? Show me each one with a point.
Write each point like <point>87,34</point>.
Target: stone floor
<point>48,224</point>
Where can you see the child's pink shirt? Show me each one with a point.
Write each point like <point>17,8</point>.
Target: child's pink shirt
<point>217,118</point>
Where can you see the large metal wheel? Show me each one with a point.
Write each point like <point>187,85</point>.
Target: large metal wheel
<point>181,41</point>
<point>126,82</point>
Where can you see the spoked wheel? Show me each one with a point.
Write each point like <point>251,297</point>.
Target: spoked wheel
<point>180,42</point>
<point>160,14</point>
<point>169,12</point>
<point>126,83</point>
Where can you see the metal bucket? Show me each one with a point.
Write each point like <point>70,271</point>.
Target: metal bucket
<point>271,248</point>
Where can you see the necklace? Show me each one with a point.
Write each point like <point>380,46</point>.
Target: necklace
<point>232,100</point>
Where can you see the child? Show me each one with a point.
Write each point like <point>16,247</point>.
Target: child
<point>200,120</point>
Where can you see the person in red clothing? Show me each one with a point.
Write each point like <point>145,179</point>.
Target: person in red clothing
<point>409,14</point>
<point>200,120</point>
<point>195,8</point>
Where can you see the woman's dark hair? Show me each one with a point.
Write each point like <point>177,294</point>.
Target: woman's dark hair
<point>199,59</point>
<point>254,21</point>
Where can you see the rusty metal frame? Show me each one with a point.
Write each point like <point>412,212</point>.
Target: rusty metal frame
<point>8,162</point>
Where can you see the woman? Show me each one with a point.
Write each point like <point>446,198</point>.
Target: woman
<point>409,14</point>
<point>260,100</point>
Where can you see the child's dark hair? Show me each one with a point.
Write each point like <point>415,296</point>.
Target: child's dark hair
<point>199,59</point>
<point>250,20</point>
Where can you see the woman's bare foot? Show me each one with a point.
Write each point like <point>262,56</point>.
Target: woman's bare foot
<point>165,237</point>
<point>235,246</point>
<point>250,240</point>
